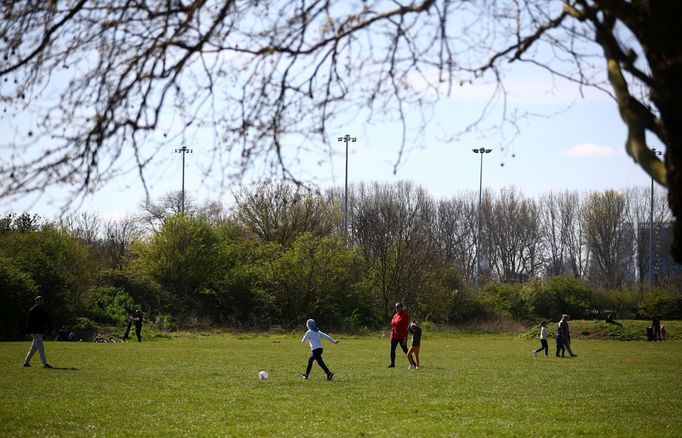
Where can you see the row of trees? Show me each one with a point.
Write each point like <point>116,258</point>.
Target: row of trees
<point>281,255</point>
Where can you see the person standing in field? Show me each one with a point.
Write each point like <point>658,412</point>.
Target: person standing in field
<point>399,325</point>
<point>566,334</point>
<point>656,326</point>
<point>314,337</point>
<point>36,325</point>
<point>414,348</point>
<point>543,339</point>
<point>137,321</point>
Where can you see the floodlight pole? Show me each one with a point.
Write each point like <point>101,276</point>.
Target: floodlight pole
<point>346,138</point>
<point>651,228</point>
<point>481,151</point>
<point>183,150</point>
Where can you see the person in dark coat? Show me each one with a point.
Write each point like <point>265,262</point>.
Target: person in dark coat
<point>137,320</point>
<point>656,326</point>
<point>37,323</point>
<point>566,334</point>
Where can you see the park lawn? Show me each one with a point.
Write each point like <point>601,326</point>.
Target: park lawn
<point>469,385</point>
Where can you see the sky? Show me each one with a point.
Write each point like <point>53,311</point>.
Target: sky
<point>576,144</point>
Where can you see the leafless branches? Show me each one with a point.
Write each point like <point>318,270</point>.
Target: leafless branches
<point>92,89</point>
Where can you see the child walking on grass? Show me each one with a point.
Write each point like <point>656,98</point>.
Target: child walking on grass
<point>414,348</point>
<point>543,339</point>
<point>560,343</point>
<point>314,337</point>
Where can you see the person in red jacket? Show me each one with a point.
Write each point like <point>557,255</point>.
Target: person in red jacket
<point>399,325</point>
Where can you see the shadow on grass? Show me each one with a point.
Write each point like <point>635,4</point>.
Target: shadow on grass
<point>64,368</point>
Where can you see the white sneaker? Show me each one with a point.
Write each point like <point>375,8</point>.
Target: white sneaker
<point>535,353</point>
<point>411,367</point>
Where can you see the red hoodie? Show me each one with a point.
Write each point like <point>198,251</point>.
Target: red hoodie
<point>399,324</point>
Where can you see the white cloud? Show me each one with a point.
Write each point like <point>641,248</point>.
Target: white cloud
<point>594,150</point>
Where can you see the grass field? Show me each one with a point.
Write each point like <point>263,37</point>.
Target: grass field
<point>469,385</point>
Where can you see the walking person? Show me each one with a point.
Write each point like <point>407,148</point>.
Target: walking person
<point>314,337</point>
<point>414,348</point>
<point>566,334</point>
<point>543,339</point>
<point>37,322</point>
<point>399,325</point>
<point>559,344</point>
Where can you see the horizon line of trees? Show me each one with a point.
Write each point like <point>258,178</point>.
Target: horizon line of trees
<point>281,255</point>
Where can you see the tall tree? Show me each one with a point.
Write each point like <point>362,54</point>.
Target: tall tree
<point>513,236</point>
<point>392,225</point>
<point>563,239</point>
<point>185,257</point>
<point>455,233</point>
<point>610,238</point>
<point>119,236</point>
<point>279,212</point>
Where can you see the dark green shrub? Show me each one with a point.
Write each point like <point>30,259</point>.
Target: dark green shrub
<point>19,290</point>
<point>662,304</point>
<point>113,305</point>
<point>506,299</point>
<point>558,295</point>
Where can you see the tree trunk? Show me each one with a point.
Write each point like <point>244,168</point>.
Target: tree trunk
<point>660,36</point>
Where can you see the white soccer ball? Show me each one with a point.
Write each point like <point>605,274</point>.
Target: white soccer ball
<point>263,375</point>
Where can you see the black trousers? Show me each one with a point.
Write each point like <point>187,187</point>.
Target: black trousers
<point>316,355</point>
<point>544,346</point>
<point>394,343</point>
<point>138,331</point>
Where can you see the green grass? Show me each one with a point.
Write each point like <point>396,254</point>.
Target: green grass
<point>469,385</point>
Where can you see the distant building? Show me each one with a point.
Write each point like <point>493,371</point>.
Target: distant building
<point>665,269</point>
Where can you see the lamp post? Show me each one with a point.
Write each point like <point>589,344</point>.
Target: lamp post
<point>481,151</point>
<point>183,150</point>
<point>346,138</point>
<point>651,227</point>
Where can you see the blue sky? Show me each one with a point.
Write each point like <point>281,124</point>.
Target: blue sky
<point>576,143</point>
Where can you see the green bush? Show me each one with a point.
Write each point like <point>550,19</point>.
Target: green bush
<point>554,296</point>
<point>19,290</point>
<point>85,328</point>
<point>114,305</point>
<point>467,306</point>
<point>663,304</point>
<point>623,302</point>
<point>506,299</point>
<point>164,321</point>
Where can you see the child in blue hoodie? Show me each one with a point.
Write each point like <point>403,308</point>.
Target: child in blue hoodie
<point>314,336</point>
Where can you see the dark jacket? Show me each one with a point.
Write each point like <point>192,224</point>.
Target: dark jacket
<point>137,320</point>
<point>37,320</point>
<point>416,334</point>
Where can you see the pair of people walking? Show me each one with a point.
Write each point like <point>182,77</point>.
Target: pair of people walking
<point>563,338</point>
